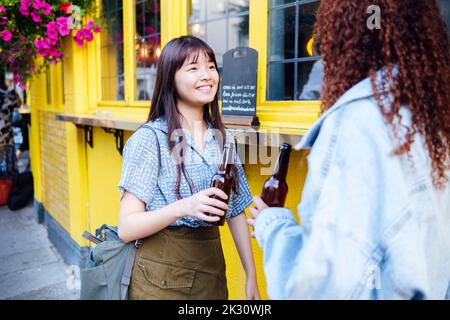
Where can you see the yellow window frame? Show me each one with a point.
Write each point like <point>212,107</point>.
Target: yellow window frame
<point>173,12</point>
<point>174,20</point>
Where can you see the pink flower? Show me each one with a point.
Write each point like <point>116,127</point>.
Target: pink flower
<point>52,31</point>
<point>24,7</point>
<point>55,53</point>
<point>2,9</point>
<point>79,38</point>
<point>24,10</point>
<point>42,47</point>
<point>36,17</point>
<point>6,35</point>
<point>38,5</point>
<point>87,34</point>
<point>3,21</point>
<point>62,23</point>
<point>89,24</point>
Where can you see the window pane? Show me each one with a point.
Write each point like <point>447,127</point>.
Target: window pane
<point>198,10</point>
<point>198,30</point>
<point>148,46</point>
<point>282,34</point>
<point>222,27</point>
<point>215,9</point>
<point>298,79</point>
<point>112,51</point>
<point>445,8</point>
<point>238,32</point>
<point>310,77</point>
<point>281,80</point>
<point>279,2</point>
<point>113,87</point>
<point>216,38</point>
<point>237,6</point>
<point>307,21</point>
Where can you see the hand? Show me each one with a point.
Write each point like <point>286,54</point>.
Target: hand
<point>255,211</point>
<point>251,289</point>
<point>201,204</point>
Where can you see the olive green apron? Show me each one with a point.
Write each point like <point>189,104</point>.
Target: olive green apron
<point>180,263</point>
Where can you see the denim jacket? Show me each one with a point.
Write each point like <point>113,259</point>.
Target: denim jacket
<point>372,224</point>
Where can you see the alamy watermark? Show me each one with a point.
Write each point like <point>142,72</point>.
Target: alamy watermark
<point>374,20</point>
<point>253,146</point>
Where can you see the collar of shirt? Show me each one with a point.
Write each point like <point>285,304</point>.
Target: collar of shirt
<point>209,153</point>
<point>360,91</point>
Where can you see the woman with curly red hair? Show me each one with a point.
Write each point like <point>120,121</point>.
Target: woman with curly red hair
<point>375,209</point>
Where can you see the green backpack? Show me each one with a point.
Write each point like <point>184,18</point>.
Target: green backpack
<point>111,261</point>
<point>110,265</point>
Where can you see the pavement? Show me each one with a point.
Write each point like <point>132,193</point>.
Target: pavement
<point>30,267</point>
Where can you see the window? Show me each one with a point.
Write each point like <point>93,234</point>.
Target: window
<point>223,24</point>
<point>148,46</point>
<point>445,8</point>
<point>294,67</point>
<point>112,63</point>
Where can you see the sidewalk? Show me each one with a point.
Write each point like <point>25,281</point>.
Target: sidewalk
<point>30,268</point>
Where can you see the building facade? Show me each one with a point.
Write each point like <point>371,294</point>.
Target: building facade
<point>84,109</point>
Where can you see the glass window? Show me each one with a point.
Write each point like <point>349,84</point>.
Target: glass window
<point>112,71</point>
<point>445,8</point>
<point>148,46</point>
<point>294,66</point>
<point>223,24</point>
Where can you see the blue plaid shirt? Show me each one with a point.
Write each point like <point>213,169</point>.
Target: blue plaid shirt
<point>140,174</point>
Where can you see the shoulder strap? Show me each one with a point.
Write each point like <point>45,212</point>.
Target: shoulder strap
<point>126,277</point>
<point>159,147</point>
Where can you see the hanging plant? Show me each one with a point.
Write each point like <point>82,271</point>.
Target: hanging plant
<point>34,28</point>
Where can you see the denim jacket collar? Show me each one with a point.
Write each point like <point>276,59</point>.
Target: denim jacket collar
<point>361,91</point>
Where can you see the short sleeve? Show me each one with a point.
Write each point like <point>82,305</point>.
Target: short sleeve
<point>239,202</point>
<point>140,165</point>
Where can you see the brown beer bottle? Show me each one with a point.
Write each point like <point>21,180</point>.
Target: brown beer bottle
<point>275,188</point>
<point>222,179</point>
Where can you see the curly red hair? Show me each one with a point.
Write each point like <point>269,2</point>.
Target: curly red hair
<point>413,37</point>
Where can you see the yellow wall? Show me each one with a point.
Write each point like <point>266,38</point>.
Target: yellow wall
<point>92,175</point>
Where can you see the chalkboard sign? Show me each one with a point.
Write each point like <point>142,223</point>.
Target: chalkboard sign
<point>239,86</point>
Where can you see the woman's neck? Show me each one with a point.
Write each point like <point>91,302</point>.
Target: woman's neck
<point>191,117</point>
<point>192,120</point>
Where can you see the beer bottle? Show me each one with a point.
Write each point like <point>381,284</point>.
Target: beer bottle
<point>275,188</point>
<point>222,179</point>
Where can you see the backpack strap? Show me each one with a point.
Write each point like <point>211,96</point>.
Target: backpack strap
<point>126,277</point>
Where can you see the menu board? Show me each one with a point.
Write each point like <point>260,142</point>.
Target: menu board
<point>239,82</point>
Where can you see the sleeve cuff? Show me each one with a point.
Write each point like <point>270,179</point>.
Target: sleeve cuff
<point>267,217</point>
<point>240,209</point>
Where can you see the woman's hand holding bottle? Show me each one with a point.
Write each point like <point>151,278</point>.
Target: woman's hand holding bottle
<point>201,204</point>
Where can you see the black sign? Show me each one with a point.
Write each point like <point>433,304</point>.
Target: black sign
<point>239,79</point>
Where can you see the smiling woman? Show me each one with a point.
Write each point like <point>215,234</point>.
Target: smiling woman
<point>196,81</point>
<point>172,206</point>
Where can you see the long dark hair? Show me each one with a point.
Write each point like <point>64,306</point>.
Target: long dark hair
<point>164,101</point>
<point>414,38</point>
